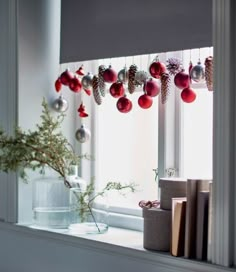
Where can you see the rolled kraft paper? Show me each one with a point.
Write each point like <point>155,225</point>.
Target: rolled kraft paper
<point>157,229</point>
<point>171,188</point>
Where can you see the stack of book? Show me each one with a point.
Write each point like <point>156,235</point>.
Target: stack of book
<point>191,221</point>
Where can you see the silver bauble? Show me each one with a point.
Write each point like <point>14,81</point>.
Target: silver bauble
<point>123,75</point>
<point>197,73</point>
<point>87,81</point>
<point>60,104</point>
<point>141,77</point>
<point>82,134</point>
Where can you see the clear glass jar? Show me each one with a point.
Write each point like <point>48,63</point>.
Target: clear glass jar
<point>51,203</point>
<point>88,217</point>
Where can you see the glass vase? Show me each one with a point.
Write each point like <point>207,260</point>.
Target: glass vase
<point>51,203</point>
<point>88,216</point>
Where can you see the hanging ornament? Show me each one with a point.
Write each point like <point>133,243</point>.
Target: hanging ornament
<point>80,71</point>
<point>209,73</point>
<point>124,105</point>
<point>174,66</point>
<point>131,78</point>
<point>110,75</point>
<point>123,75</point>
<point>117,89</point>
<point>82,111</point>
<point>140,78</point>
<point>151,88</point>
<point>60,104</point>
<point>197,73</point>
<point>101,82</point>
<point>75,84</point>
<point>66,77</point>
<point>182,80</point>
<point>82,134</point>
<point>96,93</point>
<point>58,85</point>
<point>87,81</point>
<point>165,87</point>
<point>188,95</point>
<point>190,67</point>
<point>157,68</point>
<point>145,101</point>
<point>87,91</point>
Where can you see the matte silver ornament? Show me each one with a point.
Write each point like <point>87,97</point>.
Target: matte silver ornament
<point>82,134</point>
<point>197,73</point>
<point>140,77</point>
<point>123,75</point>
<point>87,81</point>
<point>60,104</point>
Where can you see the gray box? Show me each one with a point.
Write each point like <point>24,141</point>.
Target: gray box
<point>157,229</point>
<point>171,188</point>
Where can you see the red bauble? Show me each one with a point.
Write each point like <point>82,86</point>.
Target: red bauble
<point>117,89</point>
<point>58,85</point>
<point>188,95</point>
<point>145,101</point>
<point>75,85</point>
<point>156,69</point>
<point>110,75</point>
<point>66,77</point>
<point>182,80</point>
<point>124,104</point>
<point>151,88</point>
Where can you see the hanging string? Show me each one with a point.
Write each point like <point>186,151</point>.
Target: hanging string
<point>148,62</point>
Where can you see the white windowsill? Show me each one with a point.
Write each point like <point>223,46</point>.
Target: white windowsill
<point>120,242</point>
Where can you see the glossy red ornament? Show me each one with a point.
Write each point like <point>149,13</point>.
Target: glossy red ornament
<point>117,89</point>
<point>182,80</point>
<point>58,85</point>
<point>80,71</point>
<point>145,101</point>
<point>124,104</point>
<point>66,77</point>
<point>75,85</point>
<point>156,69</point>
<point>151,88</point>
<point>110,75</point>
<point>188,95</point>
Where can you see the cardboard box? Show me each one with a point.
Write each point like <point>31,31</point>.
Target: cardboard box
<point>171,188</point>
<point>157,229</point>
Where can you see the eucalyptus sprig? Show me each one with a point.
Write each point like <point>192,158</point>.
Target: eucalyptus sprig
<point>46,146</point>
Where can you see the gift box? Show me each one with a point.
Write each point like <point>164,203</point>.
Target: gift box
<point>171,188</point>
<point>157,229</point>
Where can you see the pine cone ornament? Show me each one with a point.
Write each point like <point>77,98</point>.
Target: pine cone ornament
<point>101,82</point>
<point>174,66</point>
<point>165,87</point>
<point>96,93</point>
<point>131,78</point>
<point>209,73</point>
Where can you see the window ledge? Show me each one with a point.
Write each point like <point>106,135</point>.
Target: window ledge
<point>119,242</point>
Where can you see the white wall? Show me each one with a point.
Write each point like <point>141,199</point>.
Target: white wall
<point>38,65</point>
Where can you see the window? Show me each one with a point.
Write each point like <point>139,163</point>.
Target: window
<point>131,147</point>
<point>223,147</point>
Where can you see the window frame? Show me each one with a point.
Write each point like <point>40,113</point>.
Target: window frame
<point>224,205</point>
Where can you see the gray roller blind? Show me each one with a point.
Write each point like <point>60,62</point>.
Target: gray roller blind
<point>110,28</point>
